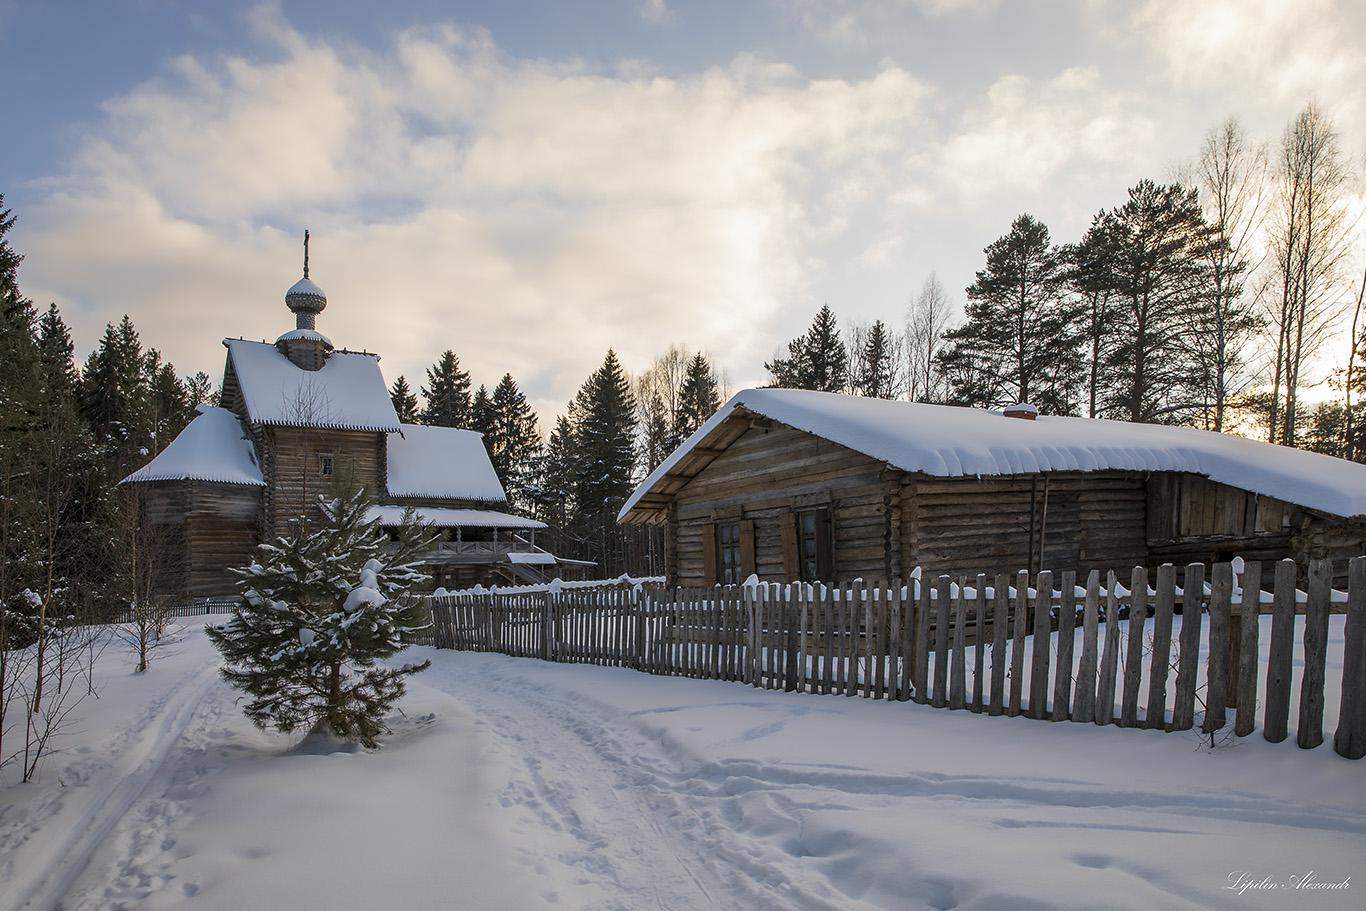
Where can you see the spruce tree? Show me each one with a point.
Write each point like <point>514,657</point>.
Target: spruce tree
<point>513,441</point>
<point>818,360</point>
<point>481,411</point>
<point>321,609</point>
<point>447,393</point>
<point>554,493</point>
<point>604,421</point>
<point>874,373</point>
<point>405,402</point>
<point>698,399</point>
<point>1021,339</point>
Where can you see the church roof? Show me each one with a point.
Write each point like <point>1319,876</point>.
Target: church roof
<point>348,393</point>
<point>214,447</point>
<point>441,463</point>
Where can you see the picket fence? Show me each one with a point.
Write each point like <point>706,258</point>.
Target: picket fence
<point>1012,645</point>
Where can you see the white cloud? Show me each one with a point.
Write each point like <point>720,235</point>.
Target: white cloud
<point>1287,49</point>
<point>1027,132</point>
<point>528,214</point>
<point>654,11</point>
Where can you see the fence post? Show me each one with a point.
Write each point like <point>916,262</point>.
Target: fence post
<point>1310,728</point>
<point>1278,664</point>
<point>1163,608</point>
<point>1246,668</point>
<point>1220,632</point>
<point>958,675</point>
<point>1017,641</point>
<point>1067,624</point>
<point>1350,738</point>
<point>942,621</point>
<point>921,667</point>
<point>1188,662</point>
<point>1133,661</point>
<point>979,643</point>
<point>1000,607</point>
<point>1084,698</point>
<point>1043,640</point>
<point>751,646</point>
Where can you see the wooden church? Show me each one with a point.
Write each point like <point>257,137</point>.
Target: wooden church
<point>300,415</point>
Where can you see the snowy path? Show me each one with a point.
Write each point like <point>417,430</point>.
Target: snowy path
<point>613,821</point>
<point>42,864</point>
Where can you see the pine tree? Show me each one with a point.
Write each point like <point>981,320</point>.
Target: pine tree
<point>554,494</point>
<point>698,399</point>
<point>112,392</point>
<point>1020,341</point>
<point>447,393</point>
<point>321,609</point>
<point>1151,255</point>
<point>513,440</point>
<point>405,402</point>
<point>818,360</point>
<point>481,411</point>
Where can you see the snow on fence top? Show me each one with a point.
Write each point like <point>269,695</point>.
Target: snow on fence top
<point>442,462</point>
<point>348,393</point>
<point>214,447</point>
<point>950,441</point>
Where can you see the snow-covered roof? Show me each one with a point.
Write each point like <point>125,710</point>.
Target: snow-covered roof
<point>534,558</point>
<point>946,441</point>
<point>443,463</point>
<point>213,447</point>
<point>452,518</point>
<point>348,393</point>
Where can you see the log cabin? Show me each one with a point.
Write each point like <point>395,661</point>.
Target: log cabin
<point>795,485</point>
<point>298,416</point>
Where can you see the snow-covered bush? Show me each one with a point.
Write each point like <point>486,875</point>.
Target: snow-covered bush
<point>320,610</point>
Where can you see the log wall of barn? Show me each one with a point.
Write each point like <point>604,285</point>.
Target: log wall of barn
<point>1058,521</point>
<point>765,477</point>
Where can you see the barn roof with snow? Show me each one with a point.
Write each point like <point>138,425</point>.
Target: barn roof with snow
<point>347,393</point>
<point>441,463</point>
<point>213,447</point>
<point>948,441</point>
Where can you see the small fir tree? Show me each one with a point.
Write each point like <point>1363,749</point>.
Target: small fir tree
<point>405,402</point>
<point>321,608</point>
<point>817,360</point>
<point>698,399</point>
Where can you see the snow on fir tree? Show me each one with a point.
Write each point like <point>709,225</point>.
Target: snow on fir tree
<point>321,609</point>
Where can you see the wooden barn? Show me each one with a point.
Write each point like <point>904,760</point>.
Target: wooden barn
<point>790,484</point>
<point>298,416</point>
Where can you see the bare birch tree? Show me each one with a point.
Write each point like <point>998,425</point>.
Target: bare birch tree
<point>927,318</point>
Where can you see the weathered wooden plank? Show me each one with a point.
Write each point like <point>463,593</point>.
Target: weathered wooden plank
<point>1160,668</point>
<point>1067,621</point>
<point>942,621</point>
<point>1188,661</point>
<point>921,665</point>
<point>1246,671</point>
<point>980,640</point>
<point>1276,717</point>
<point>1309,733</point>
<point>877,641</point>
<point>1217,671</point>
<point>1000,608</point>
<point>1133,660</point>
<point>1084,699</point>
<point>1021,625</point>
<point>1043,639</point>
<point>957,675</point>
<point>1350,738</point>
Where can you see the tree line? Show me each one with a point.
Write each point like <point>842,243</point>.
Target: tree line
<point>1199,301</point>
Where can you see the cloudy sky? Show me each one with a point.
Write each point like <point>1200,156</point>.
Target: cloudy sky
<point>531,182</point>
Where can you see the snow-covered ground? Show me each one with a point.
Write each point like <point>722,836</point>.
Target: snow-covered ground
<point>516,784</point>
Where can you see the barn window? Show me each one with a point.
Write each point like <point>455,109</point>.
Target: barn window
<point>728,551</point>
<point>815,545</point>
<point>728,554</point>
<point>326,468</point>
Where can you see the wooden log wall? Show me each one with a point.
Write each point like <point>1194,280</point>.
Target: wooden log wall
<point>767,475</point>
<point>290,461</point>
<point>222,529</point>
<point>954,642</point>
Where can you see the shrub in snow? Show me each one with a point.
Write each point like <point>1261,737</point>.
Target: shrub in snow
<point>320,610</point>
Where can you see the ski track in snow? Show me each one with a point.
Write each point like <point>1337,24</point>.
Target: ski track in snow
<point>618,821</point>
<point>43,870</point>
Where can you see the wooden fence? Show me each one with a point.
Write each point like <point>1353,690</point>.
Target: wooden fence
<point>1161,656</point>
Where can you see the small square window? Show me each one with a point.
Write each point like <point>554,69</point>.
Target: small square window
<point>326,466</point>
